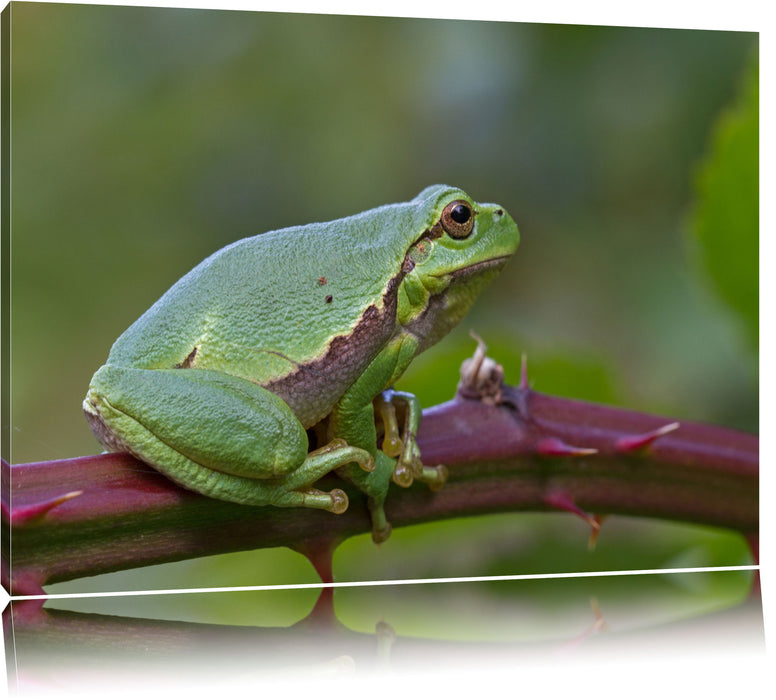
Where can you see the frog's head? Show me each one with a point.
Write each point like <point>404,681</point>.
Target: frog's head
<point>464,246</point>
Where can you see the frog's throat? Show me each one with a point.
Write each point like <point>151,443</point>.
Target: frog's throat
<point>446,309</point>
<point>347,355</point>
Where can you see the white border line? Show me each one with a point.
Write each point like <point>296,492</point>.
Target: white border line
<point>398,582</point>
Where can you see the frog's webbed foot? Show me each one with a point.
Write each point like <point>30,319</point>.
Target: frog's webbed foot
<point>402,445</point>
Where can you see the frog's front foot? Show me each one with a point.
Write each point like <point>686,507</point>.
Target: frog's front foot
<point>403,474</point>
<point>402,444</point>
<point>410,468</point>
<point>435,477</point>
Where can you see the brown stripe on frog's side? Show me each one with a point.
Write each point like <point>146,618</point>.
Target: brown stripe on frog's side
<point>436,231</point>
<point>313,389</point>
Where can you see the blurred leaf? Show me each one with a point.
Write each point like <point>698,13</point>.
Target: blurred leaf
<point>726,218</point>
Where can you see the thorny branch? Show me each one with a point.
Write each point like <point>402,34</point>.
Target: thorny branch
<point>506,449</point>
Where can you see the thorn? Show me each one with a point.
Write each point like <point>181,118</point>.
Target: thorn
<point>599,624</point>
<point>523,385</point>
<point>595,525</point>
<point>481,351</point>
<point>635,443</point>
<point>555,447</point>
<point>560,499</point>
<point>27,514</point>
<point>482,378</point>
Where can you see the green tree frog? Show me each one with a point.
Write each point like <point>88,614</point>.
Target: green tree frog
<point>300,333</point>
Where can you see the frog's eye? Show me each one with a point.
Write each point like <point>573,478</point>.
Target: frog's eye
<point>458,219</point>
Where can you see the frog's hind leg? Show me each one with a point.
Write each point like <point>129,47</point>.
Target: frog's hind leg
<point>255,492</point>
<point>293,490</point>
<point>216,434</point>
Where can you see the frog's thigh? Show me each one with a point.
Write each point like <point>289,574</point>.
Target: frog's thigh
<point>219,421</point>
<point>219,435</point>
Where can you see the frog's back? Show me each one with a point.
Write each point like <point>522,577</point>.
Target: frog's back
<point>268,305</point>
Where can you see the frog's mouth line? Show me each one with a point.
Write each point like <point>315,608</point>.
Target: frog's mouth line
<point>463,273</point>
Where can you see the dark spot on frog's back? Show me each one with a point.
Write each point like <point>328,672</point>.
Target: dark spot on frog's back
<point>329,298</point>
<point>188,361</point>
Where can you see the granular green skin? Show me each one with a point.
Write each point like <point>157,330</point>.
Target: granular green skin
<point>296,329</point>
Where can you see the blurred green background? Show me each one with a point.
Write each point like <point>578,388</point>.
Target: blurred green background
<point>144,139</point>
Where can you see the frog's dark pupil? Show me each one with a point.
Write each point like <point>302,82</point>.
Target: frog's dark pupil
<point>460,214</point>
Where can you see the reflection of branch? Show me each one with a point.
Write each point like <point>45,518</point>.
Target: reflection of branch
<point>521,451</point>
<point>49,644</point>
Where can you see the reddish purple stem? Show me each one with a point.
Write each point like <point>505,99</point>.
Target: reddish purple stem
<point>89,515</point>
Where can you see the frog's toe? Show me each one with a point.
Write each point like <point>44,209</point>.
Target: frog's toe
<point>380,535</point>
<point>381,528</point>
<point>367,462</point>
<point>402,475</point>
<point>335,501</point>
<point>339,501</point>
<point>435,477</point>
